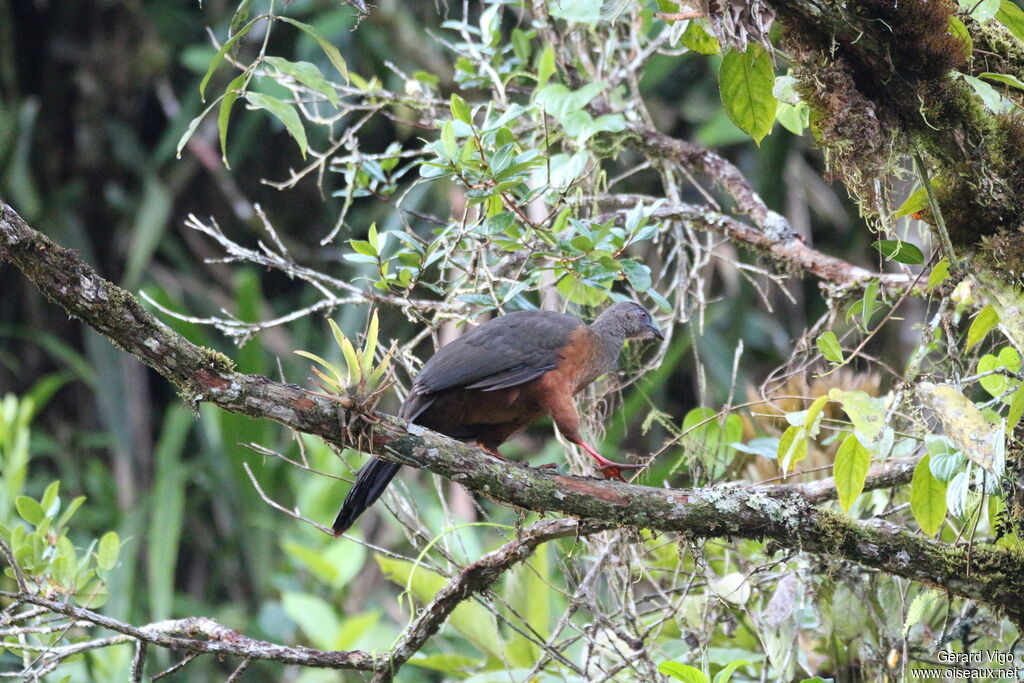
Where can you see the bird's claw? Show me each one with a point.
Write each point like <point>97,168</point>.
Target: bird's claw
<point>613,470</point>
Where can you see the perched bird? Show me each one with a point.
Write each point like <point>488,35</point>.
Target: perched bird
<point>489,384</point>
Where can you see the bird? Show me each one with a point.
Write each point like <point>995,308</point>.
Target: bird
<point>492,382</point>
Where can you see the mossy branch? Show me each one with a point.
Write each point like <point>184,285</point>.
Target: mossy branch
<point>988,574</point>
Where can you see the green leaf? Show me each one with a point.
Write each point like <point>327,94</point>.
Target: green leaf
<point>448,143</point>
<point>919,606</point>
<point>315,617</point>
<point>696,38</point>
<point>939,274</point>
<point>332,52</point>
<point>284,112</point>
<point>792,448</point>
<point>745,83</point>
<point>545,66</point>
<point>581,291</point>
<point>917,201</point>
<point>1016,410</point>
<point>945,460</point>
<point>980,10</point>
<point>638,274</point>
<point>461,110</point>
<point>108,550</point>
<point>725,674</point>
<point>900,251</point>
<point>927,498</point>
<point>829,346</point>
<point>219,57</point>
<point>983,323</point>
<point>850,471</point>
<point>683,672</point>
<point>191,129</point>
<point>308,74</point>
<point>1005,79</point>
<point>231,94</point>
<point>957,29</point>
<point>29,509</point>
<point>866,413</point>
<point>812,423</point>
<point>1012,17</point>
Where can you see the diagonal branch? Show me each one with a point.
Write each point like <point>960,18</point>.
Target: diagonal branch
<point>996,575</point>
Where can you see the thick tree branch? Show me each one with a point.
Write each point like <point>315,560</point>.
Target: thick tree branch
<point>986,573</point>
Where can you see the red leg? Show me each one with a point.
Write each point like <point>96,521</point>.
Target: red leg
<point>610,470</point>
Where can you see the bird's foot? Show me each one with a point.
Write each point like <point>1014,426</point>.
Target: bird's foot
<point>613,470</point>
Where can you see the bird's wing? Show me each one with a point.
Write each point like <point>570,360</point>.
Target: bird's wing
<point>503,352</point>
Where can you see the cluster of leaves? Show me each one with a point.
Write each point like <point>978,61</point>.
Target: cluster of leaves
<point>36,531</point>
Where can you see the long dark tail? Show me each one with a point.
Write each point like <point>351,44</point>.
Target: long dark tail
<point>371,481</point>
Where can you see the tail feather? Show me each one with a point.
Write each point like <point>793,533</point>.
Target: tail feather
<point>371,481</point>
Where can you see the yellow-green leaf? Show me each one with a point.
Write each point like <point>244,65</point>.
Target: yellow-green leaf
<point>792,447</point>
<point>332,52</point>
<point>927,498</point>
<point>283,112</point>
<point>851,468</point>
<point>829,346</point>
<point>745,83</point>
<point>982,324</point>
<point>965,425</point>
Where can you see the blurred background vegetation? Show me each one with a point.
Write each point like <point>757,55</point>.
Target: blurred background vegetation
<point>94,97</point>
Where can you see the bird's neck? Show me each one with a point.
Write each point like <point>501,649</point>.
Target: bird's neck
<point>611,337</point>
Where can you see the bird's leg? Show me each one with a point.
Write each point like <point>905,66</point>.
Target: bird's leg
<point>610,470</point>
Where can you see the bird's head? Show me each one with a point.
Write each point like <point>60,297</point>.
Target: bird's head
<point>629,319</point>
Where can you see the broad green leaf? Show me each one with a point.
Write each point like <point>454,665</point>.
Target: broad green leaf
<point>460,110</point>
<point>939,274</point>
<point>927,498</point>
<point>107,551</point>
<point>983,323</point>
<point>308,74</point>
<point>683,672</point>
<point>1012,17</point>
<point>583,292</point>
<point>980,10</point>
<point>866,413</point>
<point>332,52</point>
<point>997,384</point>
<point>638,274</point>
<point>957,29</point>
<point>317,619</point>
<point>945,460</point>
<point>696,38</point>
<point>745,83</point>
<point>29,509</point>
<point>283,112</point>
<point>829,346</point>
<point>899,251</point>
<point>792,447</point>
<point>917,201</point>
<point>850,471</point>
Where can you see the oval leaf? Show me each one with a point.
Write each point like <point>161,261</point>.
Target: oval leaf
<point>745,82</point>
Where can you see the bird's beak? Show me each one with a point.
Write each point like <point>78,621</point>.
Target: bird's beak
<point>655,332</point>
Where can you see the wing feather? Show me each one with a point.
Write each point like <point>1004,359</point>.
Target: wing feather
<point>504,352</point>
